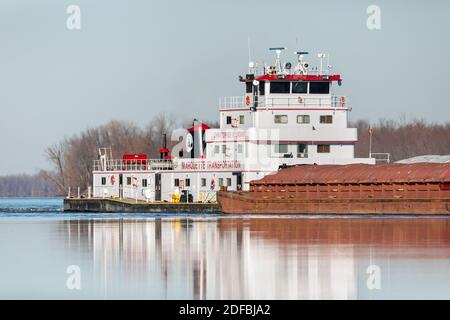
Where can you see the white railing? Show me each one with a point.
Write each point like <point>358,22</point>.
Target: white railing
<point>381,157</point>
<point>132,165</point>
<point>240,102</point>
<point>76,193</point>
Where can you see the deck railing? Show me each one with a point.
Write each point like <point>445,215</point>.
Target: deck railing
<point>380,157</point>
<point>239,102</point>
<point>132,165</point>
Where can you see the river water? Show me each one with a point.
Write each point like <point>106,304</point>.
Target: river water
<point>46,254</point>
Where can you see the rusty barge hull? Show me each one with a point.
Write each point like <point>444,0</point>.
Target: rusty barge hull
<point>235,203</point>
<point>391,189</point>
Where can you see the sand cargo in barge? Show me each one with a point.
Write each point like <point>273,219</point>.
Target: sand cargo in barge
<point>397,189</point>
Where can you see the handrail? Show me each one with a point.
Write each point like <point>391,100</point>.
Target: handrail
<point>238,102</point>
<point>133,165</point>
<point>381,156</point>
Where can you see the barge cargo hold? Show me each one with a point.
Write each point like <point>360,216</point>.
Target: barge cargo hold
<point>355,189</point>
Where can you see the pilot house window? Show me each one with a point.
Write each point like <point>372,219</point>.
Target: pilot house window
<point>262,88</point>
<point>248,87</point>
<point>319,87</point>
<point>299,87</point>
<point>280,87</point>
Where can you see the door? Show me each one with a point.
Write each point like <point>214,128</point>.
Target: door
<point>157,186</point>
<point>120,186</point>
<point>238,180</point>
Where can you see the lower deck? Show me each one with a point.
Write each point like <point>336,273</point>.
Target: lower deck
<point>122,206</point>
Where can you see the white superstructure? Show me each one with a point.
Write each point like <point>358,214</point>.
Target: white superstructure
<point>288,116</point>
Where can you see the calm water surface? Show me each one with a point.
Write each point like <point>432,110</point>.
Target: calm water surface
<point>212,257</point>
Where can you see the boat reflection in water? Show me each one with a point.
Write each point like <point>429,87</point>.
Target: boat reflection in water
<point>264,258</point>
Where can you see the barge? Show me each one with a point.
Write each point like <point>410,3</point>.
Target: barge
<point>356,189</point>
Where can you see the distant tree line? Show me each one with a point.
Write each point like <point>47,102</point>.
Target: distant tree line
<point>26,185</point>
<point>72,158</point>
<point>402,139</point>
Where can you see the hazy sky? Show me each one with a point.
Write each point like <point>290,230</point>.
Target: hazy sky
<point>134,58</point>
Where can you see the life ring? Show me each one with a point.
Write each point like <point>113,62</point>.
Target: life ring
<point>342,101</point>
<point>300,100</point>
<point>135,182</point>
<point>247,101</point>
<point>113,180</point>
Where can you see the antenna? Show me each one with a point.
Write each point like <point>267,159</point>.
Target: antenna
<point>301,65</point>
<point>321,57</point>
<point>278,57</point>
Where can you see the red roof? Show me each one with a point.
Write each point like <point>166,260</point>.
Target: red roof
<point>203,127</point>
<point>300,77</point>
<point>127,157</point>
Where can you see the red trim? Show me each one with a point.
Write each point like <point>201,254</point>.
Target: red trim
<point>262,109</point>
<point>203,127</point>
<point>247,140</point>
<point>300,77</point>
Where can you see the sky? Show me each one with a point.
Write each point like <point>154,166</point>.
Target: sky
<point>132,59</point>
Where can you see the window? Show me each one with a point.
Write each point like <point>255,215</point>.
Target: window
<point>129,181</point>
<point>280,87</point>
<point>319,87</point>
<point>144,183</point>
<point>262,88</point>
<point>229,120</point>
<point>103,181</point>
<point>241,119</point>
<point>176,182</point>
<point>302,150</point>
<point>203,182</point>
<point>220,182</point>
<point>280,118</point>
<point>323,148</point>
<point>224,148</point>
<point>240,148</point>
<point>326,119</point>
<point>248,87</point>
<point>229,182</point>
<point>187,182</point>
<point>299,87</point>
<point>280,148</point>
<point>216,149</point>
<point>303,118</point>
